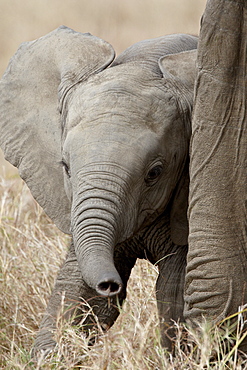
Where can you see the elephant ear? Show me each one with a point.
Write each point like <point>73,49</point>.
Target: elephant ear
<point>181,69</point>
<point>150,51</point>
<point>32,92</point>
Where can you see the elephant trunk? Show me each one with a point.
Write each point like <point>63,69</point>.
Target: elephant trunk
<point>94,243</point>
<point>97,215</point>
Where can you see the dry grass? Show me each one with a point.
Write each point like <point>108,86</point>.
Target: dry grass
<point>31,251</point>
<point>31,246</point>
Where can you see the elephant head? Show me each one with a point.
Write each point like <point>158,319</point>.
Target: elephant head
<point>102,145</point>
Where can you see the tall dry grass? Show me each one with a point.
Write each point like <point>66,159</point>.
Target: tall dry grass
<point>31,251</point>
<point>32,248</point>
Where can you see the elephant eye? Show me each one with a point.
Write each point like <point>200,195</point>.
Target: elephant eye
<point>66,168</point>
<point>153,174</point>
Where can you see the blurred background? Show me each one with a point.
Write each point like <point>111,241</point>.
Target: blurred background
<point>120,22</point>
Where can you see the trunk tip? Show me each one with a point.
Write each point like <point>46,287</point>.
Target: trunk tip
<point>109,288</point>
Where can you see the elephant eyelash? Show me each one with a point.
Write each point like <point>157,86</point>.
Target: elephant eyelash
<point>66,168</point>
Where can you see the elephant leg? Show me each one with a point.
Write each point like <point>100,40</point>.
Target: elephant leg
<point>169,292</point>
<point>66,295</point>
<point>78,301</point>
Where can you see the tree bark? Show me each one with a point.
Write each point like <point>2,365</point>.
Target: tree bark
<point>216,277</point>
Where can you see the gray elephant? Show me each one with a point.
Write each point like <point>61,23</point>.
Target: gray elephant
<point>103,146</point>
<point>216,277</point>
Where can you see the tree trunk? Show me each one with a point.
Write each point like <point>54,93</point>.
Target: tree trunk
<point>216,276</point>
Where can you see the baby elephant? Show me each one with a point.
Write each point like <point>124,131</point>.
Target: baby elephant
<point>103,146</point>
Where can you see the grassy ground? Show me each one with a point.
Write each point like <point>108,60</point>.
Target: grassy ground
<point>32,248</point>
<point>31,251</point>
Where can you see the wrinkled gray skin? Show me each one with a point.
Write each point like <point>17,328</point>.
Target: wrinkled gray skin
<point>104,148</point>
<point>216,278</point>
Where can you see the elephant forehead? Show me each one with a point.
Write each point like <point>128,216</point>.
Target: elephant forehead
<point>134,99</point>
<point>121,143</point>
<point>129,150</point>
<point>111,137</point>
